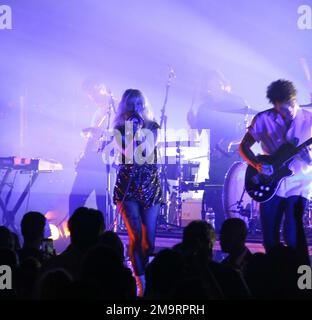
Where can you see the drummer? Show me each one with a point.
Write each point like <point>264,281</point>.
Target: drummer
<point>216,99</point>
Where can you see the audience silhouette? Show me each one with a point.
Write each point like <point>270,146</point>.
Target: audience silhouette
<point>94,267</point>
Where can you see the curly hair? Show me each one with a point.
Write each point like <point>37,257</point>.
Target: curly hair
<point>281,91</point>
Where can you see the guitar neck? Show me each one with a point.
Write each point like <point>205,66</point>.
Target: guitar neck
<point>299,148</point>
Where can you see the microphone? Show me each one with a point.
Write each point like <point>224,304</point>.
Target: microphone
<point>172,74</point>
<point>136,119</point>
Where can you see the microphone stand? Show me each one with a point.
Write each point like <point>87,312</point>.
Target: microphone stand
<point>109,207</point>
<point>163,176</point>
<point>108,202</point>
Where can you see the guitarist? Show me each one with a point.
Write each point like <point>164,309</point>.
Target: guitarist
<point>91,171</point>
<point>286,122</point>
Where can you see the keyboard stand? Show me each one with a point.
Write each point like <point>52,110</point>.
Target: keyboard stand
<point>8,218</point>
<point>2,184</point>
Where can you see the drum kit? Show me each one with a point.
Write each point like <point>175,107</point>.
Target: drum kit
<point>176,170</point>
<point>183,176</point>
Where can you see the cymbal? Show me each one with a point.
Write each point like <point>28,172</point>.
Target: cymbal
<point>199,157</point>
<point>245,110</point>
<point>306,105</point>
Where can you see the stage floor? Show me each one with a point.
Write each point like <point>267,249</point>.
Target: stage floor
<point>167,238</point>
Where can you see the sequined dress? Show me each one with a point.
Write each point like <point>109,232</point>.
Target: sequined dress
<point>139,183</point>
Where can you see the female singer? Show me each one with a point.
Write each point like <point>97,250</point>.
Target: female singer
<point>137,192</point>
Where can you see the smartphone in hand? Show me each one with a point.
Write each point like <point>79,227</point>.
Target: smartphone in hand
<point>48,247</point>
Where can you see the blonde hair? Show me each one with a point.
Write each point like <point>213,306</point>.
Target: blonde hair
<point>122,113</point>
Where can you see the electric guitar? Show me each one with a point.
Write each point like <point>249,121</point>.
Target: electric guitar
<point>262,187</point>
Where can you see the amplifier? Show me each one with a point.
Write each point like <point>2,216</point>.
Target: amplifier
<point>191,210</point>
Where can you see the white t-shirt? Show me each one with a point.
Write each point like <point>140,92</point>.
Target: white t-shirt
<point>268,128</point>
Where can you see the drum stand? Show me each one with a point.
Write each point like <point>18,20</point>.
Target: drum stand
<point>247,212</point>
<point>179,187</point>
<point>163,219</point>
<point>252,222</point>
<point>109,214</point>
<point>243,212</point>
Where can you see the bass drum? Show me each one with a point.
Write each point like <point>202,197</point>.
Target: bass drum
<point>236,202</point>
